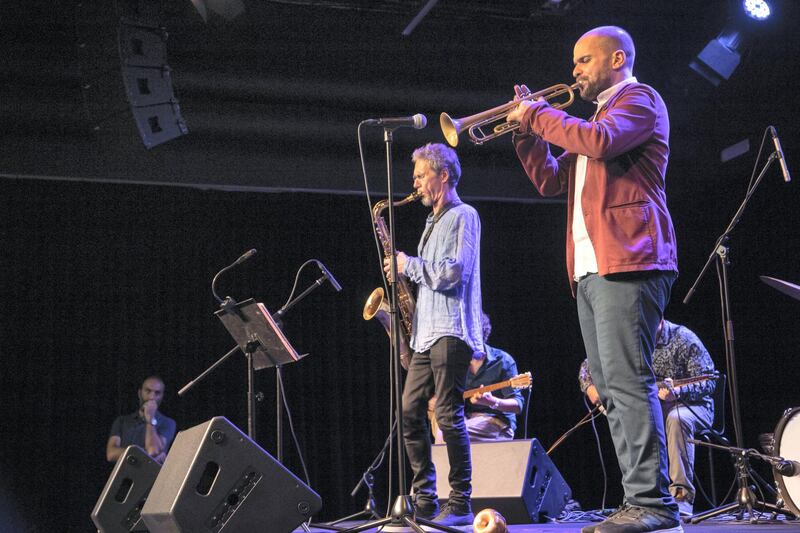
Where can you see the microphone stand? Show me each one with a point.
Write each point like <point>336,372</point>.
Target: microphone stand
<point>721,252</point>
<point>402,512</point>
<point>279,396</point>
<point>229,305</point>
<point>370,509</point>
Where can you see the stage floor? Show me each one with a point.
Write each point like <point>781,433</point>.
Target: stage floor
<point>726,525</point>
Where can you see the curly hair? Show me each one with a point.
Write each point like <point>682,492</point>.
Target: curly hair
<point>439,157</point>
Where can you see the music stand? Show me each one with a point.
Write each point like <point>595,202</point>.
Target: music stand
<point>260,338</point>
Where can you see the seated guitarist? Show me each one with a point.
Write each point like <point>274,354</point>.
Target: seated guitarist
<point>679,356</point>
<point>491,415</point>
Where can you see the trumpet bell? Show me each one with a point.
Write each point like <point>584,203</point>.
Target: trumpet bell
<point>451,129</point>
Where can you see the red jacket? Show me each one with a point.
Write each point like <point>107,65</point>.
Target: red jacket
<point>623,200</point>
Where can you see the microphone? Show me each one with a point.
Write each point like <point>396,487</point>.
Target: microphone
<point>245,256</point>
<point>329,276</point>
<point>228,301</point>
<point>417,122</point>
<point>788,468</point>
<point>781,158</point>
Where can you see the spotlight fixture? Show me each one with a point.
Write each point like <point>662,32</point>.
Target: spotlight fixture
<point>721,56</point>
<point>757,9</point>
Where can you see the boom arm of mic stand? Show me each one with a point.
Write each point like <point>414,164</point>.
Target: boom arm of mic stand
<point>745,452</point>
<point>282,311</point>
<point>735,220</point>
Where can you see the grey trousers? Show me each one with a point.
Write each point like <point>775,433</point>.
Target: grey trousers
<point>619,316</point>
<point>681,424</point>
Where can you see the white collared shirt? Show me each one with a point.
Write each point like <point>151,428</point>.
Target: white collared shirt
<point>585,258</point>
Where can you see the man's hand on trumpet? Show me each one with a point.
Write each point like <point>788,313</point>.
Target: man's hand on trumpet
<point>401,265</point>
<point>517,114</point>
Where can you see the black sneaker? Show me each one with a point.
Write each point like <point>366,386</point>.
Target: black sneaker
<point>426,509</point>
<point>455,514</point>
<point>639,520</point>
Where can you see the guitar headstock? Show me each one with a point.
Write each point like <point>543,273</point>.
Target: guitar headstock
<point>522,381</point>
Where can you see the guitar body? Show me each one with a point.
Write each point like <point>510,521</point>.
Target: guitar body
<point>520,381</point>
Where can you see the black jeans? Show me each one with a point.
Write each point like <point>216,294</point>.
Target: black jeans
<point>441,370</point>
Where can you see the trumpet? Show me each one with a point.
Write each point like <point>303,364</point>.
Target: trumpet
<point>473,124</point>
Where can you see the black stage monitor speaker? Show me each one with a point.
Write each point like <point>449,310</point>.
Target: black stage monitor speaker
<point>118,510</point>
<point>515,477</point>
<point>216,479</point>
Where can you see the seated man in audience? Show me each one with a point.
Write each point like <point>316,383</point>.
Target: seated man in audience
<point>146,427</point>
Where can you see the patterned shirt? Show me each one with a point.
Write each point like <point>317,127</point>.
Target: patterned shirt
<point>679,354</point>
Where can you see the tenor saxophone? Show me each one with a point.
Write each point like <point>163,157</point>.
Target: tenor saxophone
<point>377,305</point>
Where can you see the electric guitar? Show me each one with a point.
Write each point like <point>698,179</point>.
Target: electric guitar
<point>520,381</point>
<point>678,383</point>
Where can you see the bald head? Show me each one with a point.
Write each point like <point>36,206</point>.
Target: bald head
<point>603,57</point>
<point>613,38</point>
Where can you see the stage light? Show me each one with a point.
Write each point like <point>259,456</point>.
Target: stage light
<point>757,9</point>
<point>721,56</point>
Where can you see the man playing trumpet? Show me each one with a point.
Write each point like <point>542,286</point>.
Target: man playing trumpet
<point>621,252</point>
<point>446,332</point>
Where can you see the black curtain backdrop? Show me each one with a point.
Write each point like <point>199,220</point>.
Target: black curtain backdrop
<point>104,284</point>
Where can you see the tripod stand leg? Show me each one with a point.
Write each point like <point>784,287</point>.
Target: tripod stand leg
<point>777,509</point>
<point>403,515</point>
<point>711,513</point>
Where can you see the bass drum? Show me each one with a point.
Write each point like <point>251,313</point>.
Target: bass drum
<point>787,445</point>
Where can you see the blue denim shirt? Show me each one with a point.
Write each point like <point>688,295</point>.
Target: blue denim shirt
<point>447,273</point>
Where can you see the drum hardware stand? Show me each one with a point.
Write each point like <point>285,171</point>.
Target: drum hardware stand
<point>402,514</point>
<point>746,499</point>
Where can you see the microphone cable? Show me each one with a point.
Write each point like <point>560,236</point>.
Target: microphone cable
<point>297,278</point>
<point>600,454</point>
<point>378,246</point>
<point>527,411</point>
<point>291,429</point>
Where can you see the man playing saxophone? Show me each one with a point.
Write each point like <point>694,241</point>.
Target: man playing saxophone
<point>446,332</point>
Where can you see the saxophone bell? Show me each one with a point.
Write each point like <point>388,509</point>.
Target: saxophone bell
<point>377,307</point>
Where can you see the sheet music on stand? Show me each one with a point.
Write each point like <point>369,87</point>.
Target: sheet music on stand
<point>255,331</point>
